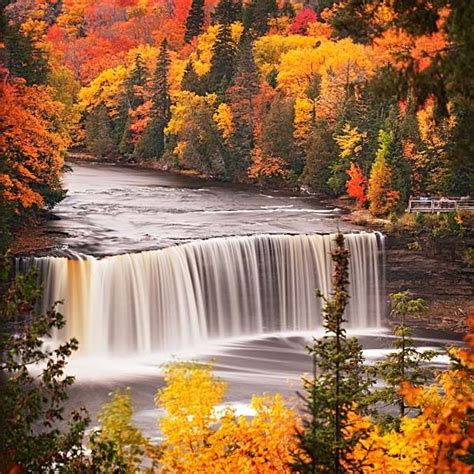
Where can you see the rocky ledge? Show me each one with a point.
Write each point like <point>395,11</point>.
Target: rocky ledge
<point>436,270</point>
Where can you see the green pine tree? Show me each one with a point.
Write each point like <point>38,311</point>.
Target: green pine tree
<point>223,61</point>
<point>256,15</point>
<point>160,85</point>
<point>241,96</point>
<point>136,82</point>
<point>277,130</point>
<point>340,384</point>
<point>320,152</point>
<point>227,12</point>
<point>191,80</point>
<point>194,21</point>
<point>152,143</point>
<point>99,132</point>
<point>401,172</point>
<point>406,364</point>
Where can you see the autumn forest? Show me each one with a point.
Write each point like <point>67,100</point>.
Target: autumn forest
<point>359,104</point>
<point>337,97</point>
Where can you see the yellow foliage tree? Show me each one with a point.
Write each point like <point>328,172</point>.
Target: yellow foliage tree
<point>65,90</point>
<point>304,120</point>
<point>116,427</point>
<point>439,439</point>
<point>185,102</point>
<point>297,70</point>
<point>105,90</point>
<point>269,49</point>
<point>380,193</point>
<point>189,400</point>
<point>340,64</point>
<point>72,17</point>
<point>200,439</point>
<point>350,141</point>
<point>224,120</point>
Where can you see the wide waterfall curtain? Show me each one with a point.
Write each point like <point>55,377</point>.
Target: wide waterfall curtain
<point>179,297</point>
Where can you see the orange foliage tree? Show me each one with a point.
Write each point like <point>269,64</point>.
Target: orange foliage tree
<point>439,439</point>
<point>266,168</point>
<point>32,145</point>
<point>380,193</point>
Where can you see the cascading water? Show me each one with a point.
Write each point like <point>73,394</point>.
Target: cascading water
<point>179,297</point>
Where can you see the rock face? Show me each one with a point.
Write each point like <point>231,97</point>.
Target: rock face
<point>435,270</point>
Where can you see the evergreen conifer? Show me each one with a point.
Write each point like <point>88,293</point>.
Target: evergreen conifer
<point>191,80</point>
<point>136,81</point>
<point>223,61</point>
<point>152,143</point>
<point>194,21</point>
<point>227,12</point>
<point>99,132</point>
<point>340,385</point>
<point>256,15</point>
<point>406,363</point>
<point>242,95</point>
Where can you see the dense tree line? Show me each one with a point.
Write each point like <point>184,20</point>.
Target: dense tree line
<point>365,98</point>
<point>285,97</point>
<point>36,102</point>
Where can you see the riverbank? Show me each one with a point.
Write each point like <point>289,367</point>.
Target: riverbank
<point>34,237</point>
<point>435,271</point>
<point>437,268</point>
<point>432,259</point>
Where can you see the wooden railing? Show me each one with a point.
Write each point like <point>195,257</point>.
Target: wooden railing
<point>440,204</point>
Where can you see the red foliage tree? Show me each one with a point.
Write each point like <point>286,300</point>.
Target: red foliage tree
<point>356,185</point>
<point>302,20</point>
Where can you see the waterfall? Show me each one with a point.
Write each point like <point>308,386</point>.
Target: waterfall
<point>180,297</point>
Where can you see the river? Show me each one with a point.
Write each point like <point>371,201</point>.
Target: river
<point>154,266</point>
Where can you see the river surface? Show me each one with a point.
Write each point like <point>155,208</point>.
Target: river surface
<point>113,210</point>
<point>116,209</point>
